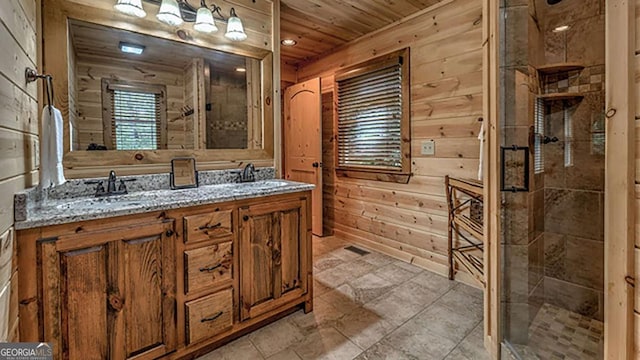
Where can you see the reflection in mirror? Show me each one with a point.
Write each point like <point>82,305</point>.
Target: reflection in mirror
<point>130,91</point>
<point>183,173</point>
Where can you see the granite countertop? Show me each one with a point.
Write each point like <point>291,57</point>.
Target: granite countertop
<point>67,210</point>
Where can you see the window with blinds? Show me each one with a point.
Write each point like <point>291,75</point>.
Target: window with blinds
<point>134,116</point>
<point>373,117</point>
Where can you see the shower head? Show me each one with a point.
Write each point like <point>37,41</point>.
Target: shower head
<point>553,2</point>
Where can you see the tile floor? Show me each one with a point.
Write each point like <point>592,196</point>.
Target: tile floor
<point>557,333</point>
<point>371,307</point>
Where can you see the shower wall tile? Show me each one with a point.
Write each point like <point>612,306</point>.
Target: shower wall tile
<point>572,297</point>
<point>536,300</point>
<point>536,262</point>
<point>585,114</point>
<point>585,41</point>
<point>576,260</point>
<point>516,209</point>
<point>585,261</point>
<point>554,170</point>
<point>568,12</point>
<point>516,41</point>
<point>538,213</point>
<point>573,212</point>
<point>516,280</point>
<point>555,250</point>
<point>587,172</point>
<point>516,322</point>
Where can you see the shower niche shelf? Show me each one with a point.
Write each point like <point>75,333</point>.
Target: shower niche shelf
<point>559,68</point>
<point>561,96</point>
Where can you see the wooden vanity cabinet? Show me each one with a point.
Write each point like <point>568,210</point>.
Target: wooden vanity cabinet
<point>110,294</point>
<point>169,284</point>
<point>274,253</point>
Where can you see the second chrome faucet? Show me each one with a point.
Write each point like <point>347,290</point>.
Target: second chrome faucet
<point>111,185</point>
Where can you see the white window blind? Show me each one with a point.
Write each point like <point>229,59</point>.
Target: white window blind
<point>538,153</point>
<point>134,115</point>
<point>136,120</point>
<point>370,118</point>
<point>568,137</point>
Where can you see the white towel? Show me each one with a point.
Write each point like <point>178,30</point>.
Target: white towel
<point>51,171</point>
<point>481,138</point>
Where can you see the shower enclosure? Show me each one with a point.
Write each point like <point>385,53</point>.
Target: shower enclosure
<point>552,96</point>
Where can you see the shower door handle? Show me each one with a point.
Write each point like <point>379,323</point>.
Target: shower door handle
<point>514,187</point>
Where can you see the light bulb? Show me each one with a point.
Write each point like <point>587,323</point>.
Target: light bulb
<point>169,13</point>
<point>131,8</point>
<point>204,21</point>
<point>235,30</point>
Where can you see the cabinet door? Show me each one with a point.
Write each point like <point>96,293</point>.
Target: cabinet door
<point>272,246</point>
<point>111,294</point>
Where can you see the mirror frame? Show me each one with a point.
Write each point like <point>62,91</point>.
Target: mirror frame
<point>56,42</point>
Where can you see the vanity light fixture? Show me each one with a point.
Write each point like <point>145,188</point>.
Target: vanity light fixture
<point>176,12</point>
<point>288,42</point>
<point>241,69</point>
<point>235,30</point>
<point>131,8</point>
<point>129,48</point>
<point>204,19</point>
<point>169,13</point>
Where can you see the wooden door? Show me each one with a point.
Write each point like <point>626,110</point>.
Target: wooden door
<point>273,251</point>
<point>111,294</point>
<point>303,141</point>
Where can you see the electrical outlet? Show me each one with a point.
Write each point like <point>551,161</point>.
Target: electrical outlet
<point>428,147</point>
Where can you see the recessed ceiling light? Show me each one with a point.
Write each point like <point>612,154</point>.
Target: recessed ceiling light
<point>241,69</point>
<point>562,28</point>
<point>128,48</point>
<point>288,42</point>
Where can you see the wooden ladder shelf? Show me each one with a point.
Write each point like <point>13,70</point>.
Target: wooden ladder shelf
<point>466,240</point>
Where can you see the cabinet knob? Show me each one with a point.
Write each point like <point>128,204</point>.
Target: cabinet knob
<point>169,233</point>
<point>245,218</point>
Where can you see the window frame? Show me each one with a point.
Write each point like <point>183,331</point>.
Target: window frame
<point>402,175</point>
<point>107,93</point>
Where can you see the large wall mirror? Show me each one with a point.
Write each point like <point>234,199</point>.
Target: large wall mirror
<point>138,92</point>
<point>187,94</point>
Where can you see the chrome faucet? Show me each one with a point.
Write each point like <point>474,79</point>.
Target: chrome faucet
<point>248,173</point>
<point>111,182</point>
<point>111,185</point>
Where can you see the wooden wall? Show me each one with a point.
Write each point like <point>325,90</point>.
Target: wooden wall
<point>18,140</point>
<point>410,221</point>
<point>88,106</point>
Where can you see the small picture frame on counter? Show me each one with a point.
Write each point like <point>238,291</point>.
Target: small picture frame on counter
<point>183,173</point>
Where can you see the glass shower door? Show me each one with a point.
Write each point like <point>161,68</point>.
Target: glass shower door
<point>552,140</point>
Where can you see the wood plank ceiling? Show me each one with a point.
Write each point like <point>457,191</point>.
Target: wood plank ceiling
<point>319,26</point>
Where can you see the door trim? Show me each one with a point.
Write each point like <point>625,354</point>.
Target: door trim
<point>619,202</point>
<point>491,171</point>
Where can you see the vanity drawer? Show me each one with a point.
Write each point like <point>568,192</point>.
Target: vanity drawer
<point>209,315</point>
<point>207,226</point>
<point>208,266</point>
